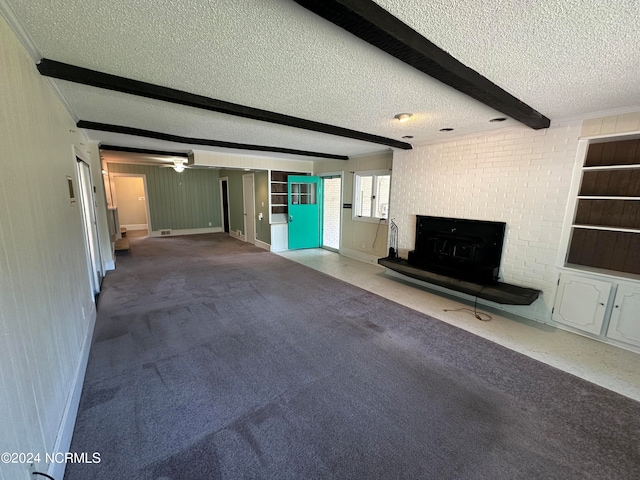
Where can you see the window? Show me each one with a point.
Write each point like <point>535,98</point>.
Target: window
<point>605,232</point>
<point>371,195</point>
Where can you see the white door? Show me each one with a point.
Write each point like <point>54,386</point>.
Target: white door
<point>249,206</point>
<point>625,317</point>
<point>581,303</point>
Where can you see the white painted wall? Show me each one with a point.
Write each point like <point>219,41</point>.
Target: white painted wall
<point>518,175</point>
<point>46,308</point>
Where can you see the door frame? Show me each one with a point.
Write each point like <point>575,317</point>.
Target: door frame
<point>322,178</point>
<point>251,201</point>
<point>95,268</point>
<point>114,196</point>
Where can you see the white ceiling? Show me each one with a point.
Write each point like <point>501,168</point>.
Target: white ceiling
<point>562,57</point>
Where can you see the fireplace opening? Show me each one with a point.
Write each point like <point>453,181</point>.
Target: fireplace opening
<point>465,249</point>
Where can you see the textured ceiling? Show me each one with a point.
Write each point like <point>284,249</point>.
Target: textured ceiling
<point>563,58</point>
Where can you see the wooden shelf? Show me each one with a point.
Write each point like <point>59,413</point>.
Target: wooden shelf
<point>605,231</point>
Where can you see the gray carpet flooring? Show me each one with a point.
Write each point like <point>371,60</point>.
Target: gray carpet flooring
<point>213,359</point>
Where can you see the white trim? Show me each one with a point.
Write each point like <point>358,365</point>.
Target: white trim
<point>374,190</point>
<point>358,255</point>
<point>93,248</point>
<point>67,425</point>
<point>114,198</point>
<point>607,137</point>
<point>333,175</point>
<point>185,231</point>
<point>576,180</point>
<point>244,207</point>
<point>600,114</point>
<point>572,202</point>
<point>263,245</point>
<point>136,226</point>
<point>237,234</point>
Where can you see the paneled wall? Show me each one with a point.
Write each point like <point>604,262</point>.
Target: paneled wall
<point>46,307</point>
<point>178,201</point>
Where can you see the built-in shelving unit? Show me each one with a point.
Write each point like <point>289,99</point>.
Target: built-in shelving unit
<point>278,185</point>
<point>278,192</point>
<point>606,225</point>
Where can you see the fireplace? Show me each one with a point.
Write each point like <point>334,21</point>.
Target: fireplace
<point>465,249</point>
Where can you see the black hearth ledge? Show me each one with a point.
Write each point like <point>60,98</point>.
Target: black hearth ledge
<point>502,293</point>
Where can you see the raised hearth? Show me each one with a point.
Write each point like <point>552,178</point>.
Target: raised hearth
<point>498,292</point>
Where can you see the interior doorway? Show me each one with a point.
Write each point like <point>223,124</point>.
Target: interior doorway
<point>88,209</point>
<point>249,205</point>
<point>130,197</point>
<point>224,202</point>
<point>331,211</point>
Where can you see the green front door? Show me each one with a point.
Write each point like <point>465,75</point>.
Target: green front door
<point>304,212</point>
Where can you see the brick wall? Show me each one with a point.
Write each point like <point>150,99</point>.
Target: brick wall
<point>517,175</point>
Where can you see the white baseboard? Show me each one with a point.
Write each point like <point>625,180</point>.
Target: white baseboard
<point>65,432</point>
<point>263,245</point>
<point>237,235</point>
<point>357,255</point>
<point>135,226</point>
<point>185,231</point>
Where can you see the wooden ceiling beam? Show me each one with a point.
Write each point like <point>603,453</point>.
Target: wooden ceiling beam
<point>72,73</point>
<point>373,24</point>
<point>104,127</point>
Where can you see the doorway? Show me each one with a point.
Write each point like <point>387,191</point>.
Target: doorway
<point>224,201</point>
<point>331,211</point>
<point>88,209</point>
<point>249,205</point>
<point>129,196</point>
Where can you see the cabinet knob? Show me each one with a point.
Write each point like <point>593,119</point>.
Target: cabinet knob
<point>617,306</point>
<point>601,304</point>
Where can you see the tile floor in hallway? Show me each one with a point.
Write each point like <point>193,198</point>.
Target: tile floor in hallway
<point>609,366</point>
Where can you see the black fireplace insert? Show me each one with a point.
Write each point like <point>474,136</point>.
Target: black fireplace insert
<point>466,249</point>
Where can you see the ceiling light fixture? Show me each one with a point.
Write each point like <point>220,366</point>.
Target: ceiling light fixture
<point>178,166</point>
<point>407,136</point>
<point>403,117</point>
<point>499,119</point>
<point>446,129</point>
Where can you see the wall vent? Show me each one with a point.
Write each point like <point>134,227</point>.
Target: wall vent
<point>165,232</point>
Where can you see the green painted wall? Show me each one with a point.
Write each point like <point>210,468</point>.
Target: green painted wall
<point>190,199</point>
<point>263,230</point>
<point>236,208</point>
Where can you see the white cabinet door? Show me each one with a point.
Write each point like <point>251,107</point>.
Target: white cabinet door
<point>581,303</point>
<point>625,317</point>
